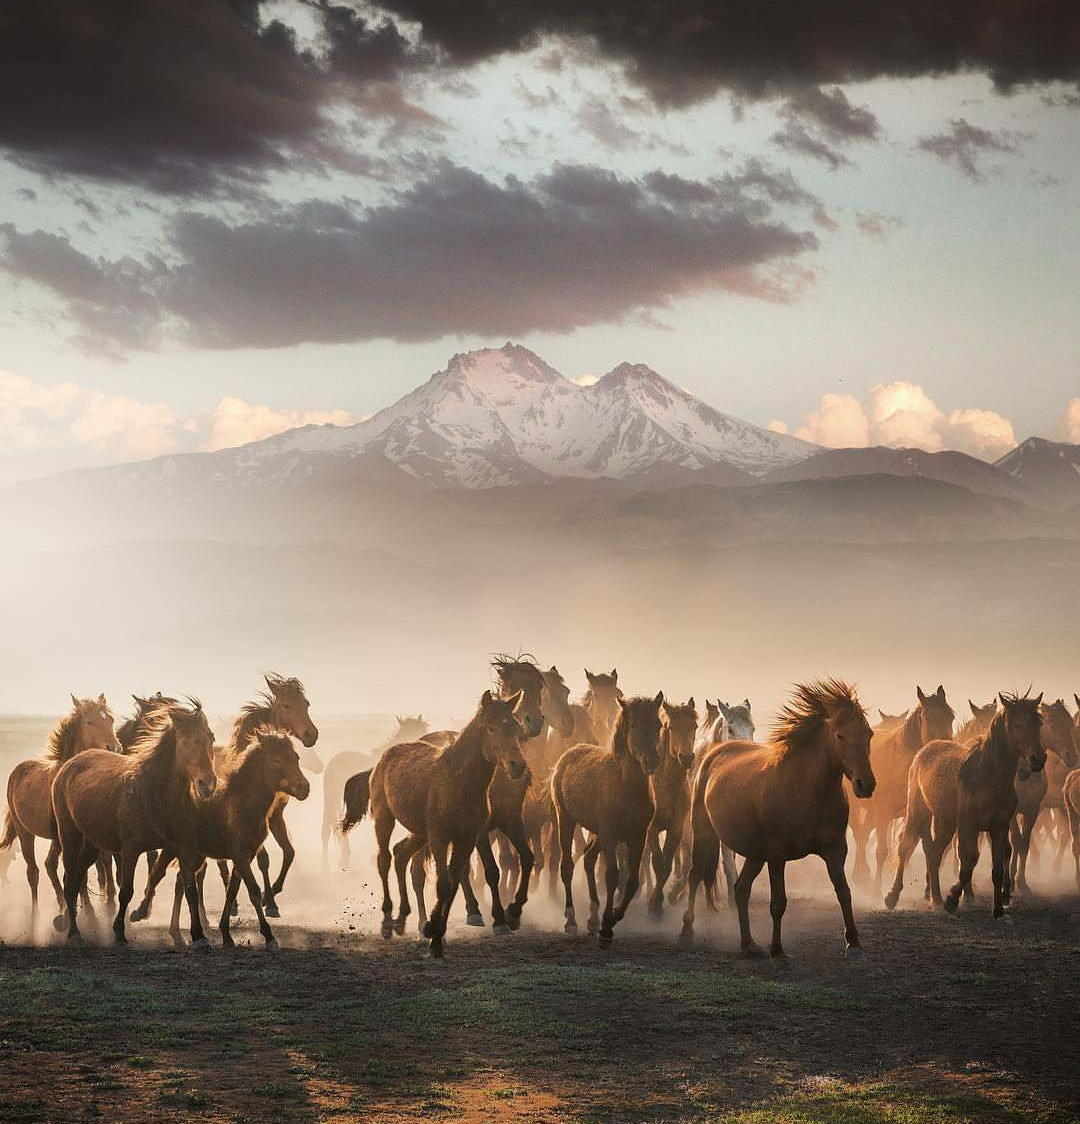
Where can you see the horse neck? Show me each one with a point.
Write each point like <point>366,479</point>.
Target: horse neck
<point>999,757</point>
<point>812,769</point>
<point>910,733</point>
<point>466,759</point>
<point>247,786</point>
<point>629,768</point>
<point>165,789</point>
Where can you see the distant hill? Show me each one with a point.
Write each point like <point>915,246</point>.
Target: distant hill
<point>1049,471</point>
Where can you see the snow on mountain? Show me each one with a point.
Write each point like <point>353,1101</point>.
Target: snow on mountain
<point>1049,470</point>
<point>503,416</point>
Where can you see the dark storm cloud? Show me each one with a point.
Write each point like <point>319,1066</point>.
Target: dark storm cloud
<point>174,95</point>
<point>796,139</point>
<point>683,50</point>
<point>453,253</point>
<point>963,144</point>
<point>831,112</point>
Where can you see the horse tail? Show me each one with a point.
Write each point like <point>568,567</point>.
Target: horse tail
<point>357,795</point>
<point>705,848</point>
<point>10,832</point>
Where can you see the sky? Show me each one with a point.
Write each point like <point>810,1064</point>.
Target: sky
<point>219,219</point>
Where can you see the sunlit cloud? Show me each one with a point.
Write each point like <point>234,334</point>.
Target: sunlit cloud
<point>233,421</point>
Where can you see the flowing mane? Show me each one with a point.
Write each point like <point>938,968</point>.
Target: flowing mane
<point>62,740</point>
<point>800,721</point>
<point>257,712</point>
<point>524,664</point>
<point>153,752</point>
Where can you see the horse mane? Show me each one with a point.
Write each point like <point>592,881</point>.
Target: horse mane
<point>152,755</point>
<point>61,745</point>
<point>974,761</point>
<point>800,721</point>
<point>524,663</point>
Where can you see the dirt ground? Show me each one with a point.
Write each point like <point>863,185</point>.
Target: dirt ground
<point>948,1019</point>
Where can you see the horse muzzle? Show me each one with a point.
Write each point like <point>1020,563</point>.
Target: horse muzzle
<point>863,787</point>
<point>1036,761</point>
<point>205,789</point>
<point>515,770</point>
<point>686,760</point>
<point>310,737</point>
<point>300,790</point>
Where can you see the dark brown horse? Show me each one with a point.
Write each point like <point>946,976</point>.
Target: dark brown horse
<point>129,730</point>
<point>670,786</point>
<point>89,725</point>
<point>892,754</point>
<point>783,801</point>
<point>441,798</point>
<point>606,791</point>
<point>1036,791</point>
<point>283,706</point>
<point>347,764</point>
<point>126,805</point>
<point>964,790</point>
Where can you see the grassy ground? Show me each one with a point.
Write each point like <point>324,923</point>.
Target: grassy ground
<point>947,1020</point>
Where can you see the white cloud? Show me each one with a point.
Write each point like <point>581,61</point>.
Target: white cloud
<point>777,426</point>
<point>839,422</point>
<point>586,380</point>
<point>901,414</point>
<point>233,421</point>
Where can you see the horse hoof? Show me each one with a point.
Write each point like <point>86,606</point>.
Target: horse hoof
<point>570,927</point>
<point>686,938</point>
<point>854,952</point>
<point>475,920</point>
<point>891,899</point>
<point>399,926</point>
<point>592,926</point>
<point>120,939</point>
<point>201,945</point>
<point>604,940</point>
<point>513,919</point>
<point>272,910</point>
<point>427,930</point>
<point>1004,918</point>
<point>59,921</point>
<point>387,930</point>
<point>501,929</point>
<point>75,939</point>
<point>139,914</point>
<point>951,904</point>
<point>227,941</point>
<point>753,952</point>
<point>437,950</point>
<point>234,911</point>
<point>272,945</point>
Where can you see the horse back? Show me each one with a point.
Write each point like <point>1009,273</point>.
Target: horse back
<point>588,782</point>
<point>400,783</point>
<point>29,796</point>
<point>91,791</point>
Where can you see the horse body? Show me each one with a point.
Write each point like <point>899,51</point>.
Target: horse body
<point>783,801</point>
<point>670,789</point>
<point>129,804</point>
<point>607,792</point>
<point>964,790</point>
<point>29,788</point>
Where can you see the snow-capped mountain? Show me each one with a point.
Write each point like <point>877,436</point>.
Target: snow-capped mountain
<point>504,416</point>
<point>1048,470</point>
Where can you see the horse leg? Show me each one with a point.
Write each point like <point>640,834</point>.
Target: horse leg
<point>671,849</point>
<point>940,838</point>
<point>967,845</point>
<point>566,828</point>
<point>999,851</point>
<point>883,839</point>
<point>492,875</point>
<point>419,878</point>
<point>327,830</point>
<point>200,882</point>
<point>449,869</point>
<point>83,854</point>
<point>404,850</point>
<point>26,844</point>
<point>189,864</point>
<point>174,918</point>
<point>611,884</point>
<point>269,904</point>
<point>106,883</point>
<point>52,863</point>
<point>834,863</point>
<point>635,849</point>
<point>525,859</point>
<point>223,871</point>
<point>727,857</point>
<point>231,891</point>
<point>777,906</point>
<point>1074,832</point>
<point>588,861</point>
<point>751,868</point>
<point>384,828</point>
<point>157,873</point>
<point>1023,846</point>
<point>243,864</point>
<point>912,831</point>
<point>280,831</point>
<point>128,861</point>
<point>345,848</point>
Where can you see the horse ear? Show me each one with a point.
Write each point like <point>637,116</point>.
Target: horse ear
<point>746,703</point>
<point>101,698</point>
<point>554,671</point>
<point>1076,699</point>
<point>690,702</point>
<point>589,675</point>
<point>941,692</point>
<point>486,699</point>
<point>1001,699</point>
<point>725,710</point>
<point>623,704</point>
<point>74,701</point>
<point>1038,701</point>
<point>659,700</point>
<point>614,675</point>
<point>919,693</point>
<point>974,709</point>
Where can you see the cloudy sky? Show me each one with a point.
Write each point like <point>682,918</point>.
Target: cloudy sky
<point>219,218</point>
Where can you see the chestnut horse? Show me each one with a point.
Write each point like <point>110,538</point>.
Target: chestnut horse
<point>670,786</point>
<point>441,798</point>
<point>892,754</point>
<point>783,801</point>
<point>126,805</point>
<point>283,706</point>
<point>29,815</point>
<point>606,791</point>
<point>1036,791</point>
<point>347,764</point>
<point>963,790</point>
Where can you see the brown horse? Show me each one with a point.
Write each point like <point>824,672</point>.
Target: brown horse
<point>1071,797</point>
<point>129,730</point>
<point>892,755</point>
<point>126,805</point>
<point>979,722</point>
<point>783,801</point>
<point>283,706</point>
<point>89,725</point>
<point>1036,791</point>
<point>232,824</point>
<point>963,790</point>
<point>348,763</point>
<point>670,786</point>
<point>441,797</point>
<point>606,791</point>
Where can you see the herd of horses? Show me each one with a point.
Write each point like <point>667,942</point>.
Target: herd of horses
<point>642,787</point>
